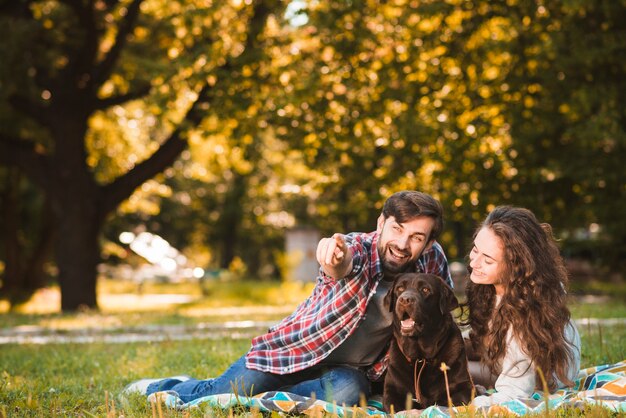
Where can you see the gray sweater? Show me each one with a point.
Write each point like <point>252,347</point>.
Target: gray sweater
<point>517,379</point>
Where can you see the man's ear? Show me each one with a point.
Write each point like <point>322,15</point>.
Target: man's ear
<point>379,223</point>
<point>429,244</point>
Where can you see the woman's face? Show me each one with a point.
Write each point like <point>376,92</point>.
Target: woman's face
<point>487,259</point>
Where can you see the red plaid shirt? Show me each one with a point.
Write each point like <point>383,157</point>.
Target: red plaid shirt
<point>332,312</point>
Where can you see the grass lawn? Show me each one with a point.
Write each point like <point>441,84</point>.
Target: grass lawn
<point>84,380</point>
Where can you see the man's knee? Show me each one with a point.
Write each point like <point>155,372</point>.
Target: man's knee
<point>346,386</point>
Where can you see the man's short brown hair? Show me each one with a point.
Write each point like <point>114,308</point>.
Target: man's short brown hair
<point>407,205</point>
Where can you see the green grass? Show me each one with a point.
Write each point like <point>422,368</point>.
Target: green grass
<point>616,290</point>
<point>602,345</point>
<point>601,308</point>
<point>73,380</point>
<point>84,380</point>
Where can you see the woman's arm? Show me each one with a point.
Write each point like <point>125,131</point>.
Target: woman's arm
<point>516,380</point>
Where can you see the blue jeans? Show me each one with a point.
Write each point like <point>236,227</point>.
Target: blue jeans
<point>341,384</point>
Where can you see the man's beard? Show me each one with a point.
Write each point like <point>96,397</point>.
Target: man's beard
<point>391,266</point>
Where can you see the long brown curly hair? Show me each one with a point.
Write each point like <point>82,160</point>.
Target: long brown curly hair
<point>533,305</point>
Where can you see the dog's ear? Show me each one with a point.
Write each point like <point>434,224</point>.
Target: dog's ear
<point>447,300</point>
<point>390,298</point>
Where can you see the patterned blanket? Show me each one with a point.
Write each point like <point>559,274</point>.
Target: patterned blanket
<point>601,385</point>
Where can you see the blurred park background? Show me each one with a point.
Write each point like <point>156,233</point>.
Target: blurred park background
<point>202,140</point>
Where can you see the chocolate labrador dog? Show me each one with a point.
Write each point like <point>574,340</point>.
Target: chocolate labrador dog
<point>424,336</point>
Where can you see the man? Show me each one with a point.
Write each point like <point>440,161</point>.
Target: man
<point>335,342</point>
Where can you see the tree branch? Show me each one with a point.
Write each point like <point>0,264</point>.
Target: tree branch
<point>258,20</point>
<point>120,189</point>
<point>103,70</point>
<point>81,57</point>
<point>122,98</point>
<point>114,193</point>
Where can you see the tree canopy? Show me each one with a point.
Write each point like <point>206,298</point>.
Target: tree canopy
<point>220,124</point>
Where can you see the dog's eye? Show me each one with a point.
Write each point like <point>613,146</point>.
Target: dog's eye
<point>425,291</point>
<point>400,289</point>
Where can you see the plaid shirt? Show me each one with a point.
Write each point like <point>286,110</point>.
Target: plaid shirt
<point>333,311</point>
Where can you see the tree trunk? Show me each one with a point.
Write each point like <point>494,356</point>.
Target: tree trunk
<point>78,254</point>
<point>78,209</point>
<point>230,220</point>
<point>10,230</point>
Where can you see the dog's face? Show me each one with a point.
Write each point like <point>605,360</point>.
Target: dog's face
<point>418,300</point>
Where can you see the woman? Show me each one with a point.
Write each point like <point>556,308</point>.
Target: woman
<point>520,324</point>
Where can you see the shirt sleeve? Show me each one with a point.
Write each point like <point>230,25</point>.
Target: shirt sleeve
<point>434,261</point>
<point>517,379</point>
<point>360,255</point>
<point>572,336</point>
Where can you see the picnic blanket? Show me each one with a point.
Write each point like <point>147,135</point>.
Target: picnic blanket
<point>600,385</point>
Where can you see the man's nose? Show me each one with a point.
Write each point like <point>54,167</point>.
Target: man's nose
<point>403,242</point>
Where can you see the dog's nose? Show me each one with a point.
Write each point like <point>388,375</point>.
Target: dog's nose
<point>407,300</point>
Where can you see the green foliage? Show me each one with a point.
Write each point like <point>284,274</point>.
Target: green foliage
<point>479,103</point>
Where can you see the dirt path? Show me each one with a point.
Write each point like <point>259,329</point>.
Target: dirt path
<point>28,334</point>
<point>40,335</point>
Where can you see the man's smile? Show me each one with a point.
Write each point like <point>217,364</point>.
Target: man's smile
<point>398,254</point>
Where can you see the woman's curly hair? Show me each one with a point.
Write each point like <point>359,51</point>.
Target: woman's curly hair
<point>533,305</point>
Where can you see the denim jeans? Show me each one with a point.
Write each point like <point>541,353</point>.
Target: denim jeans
<point>341,384</point>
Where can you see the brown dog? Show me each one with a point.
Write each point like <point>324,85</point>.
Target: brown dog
<point>424,336</point>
